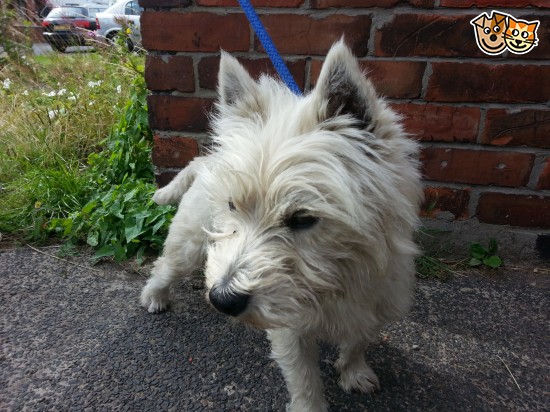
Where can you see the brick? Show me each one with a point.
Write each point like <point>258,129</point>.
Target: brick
<point>494,3</point>
<point>480,82</point>
<point>323,4</point>
<point>255,3</point>
<point>189,114</point>
<point>521,127</point>
<point>169,72</point>
<point>174,151</point>
<point>440,123</point>
<point>400,80</point>
<point>208,70</point>
<point>515,210</point>
<point>444,199</point>
<point>192,31</point>
<point>165,3</point>
<point>544,177</point>
<point>303,34</point>
<point>479,167</point>
<point>427,35</point>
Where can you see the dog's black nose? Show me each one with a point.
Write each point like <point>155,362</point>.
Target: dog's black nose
<point>493,37</point>
<point>228,302</point>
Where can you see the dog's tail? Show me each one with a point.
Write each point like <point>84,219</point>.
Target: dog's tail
<point>172,193</point>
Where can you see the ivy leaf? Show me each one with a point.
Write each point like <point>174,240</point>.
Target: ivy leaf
<point>493,261</point>
<point>477,251</point>
<point>474,262</point>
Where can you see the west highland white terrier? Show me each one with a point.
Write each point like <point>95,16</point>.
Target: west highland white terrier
<point>304,211</point>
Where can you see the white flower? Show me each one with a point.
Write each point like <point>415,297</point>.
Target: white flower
<point>52,113</point>
<point>25,93</point>
<point>6,84</point>
<point>61,92</point>
<point>73,97</point>
<point>50,94</point>
<point>119,89</point>
<point>91,103</point>
<point>94,84</point>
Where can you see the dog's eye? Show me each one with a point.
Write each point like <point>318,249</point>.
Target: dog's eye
<point>496,29</point>
<point>486,30</point>
<point>231,206</point>
<point>300,221</point>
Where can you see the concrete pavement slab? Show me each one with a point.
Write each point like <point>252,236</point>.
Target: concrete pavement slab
<point>75,338</point>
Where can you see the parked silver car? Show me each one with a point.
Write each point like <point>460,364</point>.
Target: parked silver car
<point>125,15</point>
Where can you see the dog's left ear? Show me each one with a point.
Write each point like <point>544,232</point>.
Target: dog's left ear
<point>343,89</point>
<point>234,82</point>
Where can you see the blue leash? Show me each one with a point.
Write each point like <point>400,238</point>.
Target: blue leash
<point>269,47</point>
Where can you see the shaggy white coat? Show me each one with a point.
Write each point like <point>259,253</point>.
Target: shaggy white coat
<point>338,155</point>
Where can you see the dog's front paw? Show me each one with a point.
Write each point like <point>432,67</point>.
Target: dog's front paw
<point>163,196</point>
<point>359,378</point>
<point>154,300</point>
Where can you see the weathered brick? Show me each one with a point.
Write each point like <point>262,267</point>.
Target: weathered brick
<point>392,79</point>
<point>517,127</point>
<point>444,199</point>
<point>480,167</point>
<point>208,70</point>
<point>255,3</point>
<point>174,151</point>
<point>494,3</point>
<point>165,3</point>
<point>480,82</point>
<point>167,112</point>
<point>193,31</point>
<point>303,34</point>
<point>427,35</point>
<point>169,72</point>
<point>543,182</point>
<point>323,4</point>
<point>440,123</point>
<point>515,210</point>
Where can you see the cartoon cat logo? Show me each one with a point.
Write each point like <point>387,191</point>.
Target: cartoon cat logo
<point>500,31</point>
<point>489,32</point>
<point>521,35</point>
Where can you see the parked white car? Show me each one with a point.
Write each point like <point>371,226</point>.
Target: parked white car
<point>124,13</point>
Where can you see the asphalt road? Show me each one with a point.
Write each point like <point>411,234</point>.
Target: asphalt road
<point>74,338</point>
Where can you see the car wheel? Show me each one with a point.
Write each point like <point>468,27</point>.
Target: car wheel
<point>111,37</point>
<point>59,47</point>
<point>130,45</point>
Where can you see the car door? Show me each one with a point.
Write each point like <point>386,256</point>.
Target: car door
<point>132,12</point>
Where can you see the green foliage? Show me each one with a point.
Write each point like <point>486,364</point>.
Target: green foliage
<point>479,255</point>
<point>120,219</point>
<point>431,267</point>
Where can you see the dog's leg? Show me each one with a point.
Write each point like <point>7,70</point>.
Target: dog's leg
<point>355,373</point>
<point>184,250</point>
<point>297,357</point>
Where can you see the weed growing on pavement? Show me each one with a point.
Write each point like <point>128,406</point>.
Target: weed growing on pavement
<point>484,256</point>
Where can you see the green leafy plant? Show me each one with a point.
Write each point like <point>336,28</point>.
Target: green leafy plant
<point>480,255</point>
<point>120,220</point>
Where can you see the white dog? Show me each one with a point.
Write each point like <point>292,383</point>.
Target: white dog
<point>304,212</point>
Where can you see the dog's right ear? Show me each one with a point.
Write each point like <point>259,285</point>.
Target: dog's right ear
<point>234,82</point>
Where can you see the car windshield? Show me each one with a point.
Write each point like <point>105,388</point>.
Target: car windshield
<point>68,12</point>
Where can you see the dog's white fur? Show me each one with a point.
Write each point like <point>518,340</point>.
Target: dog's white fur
<point>306,205</point>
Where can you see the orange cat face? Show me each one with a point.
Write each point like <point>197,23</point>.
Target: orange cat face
<point>520,35</point>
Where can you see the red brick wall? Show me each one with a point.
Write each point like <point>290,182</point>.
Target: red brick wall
<point>484,121</point>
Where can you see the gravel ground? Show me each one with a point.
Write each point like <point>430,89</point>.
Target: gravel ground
<point>74,338</point>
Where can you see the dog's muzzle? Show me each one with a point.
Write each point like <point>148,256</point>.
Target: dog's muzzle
<point>228,302</point>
